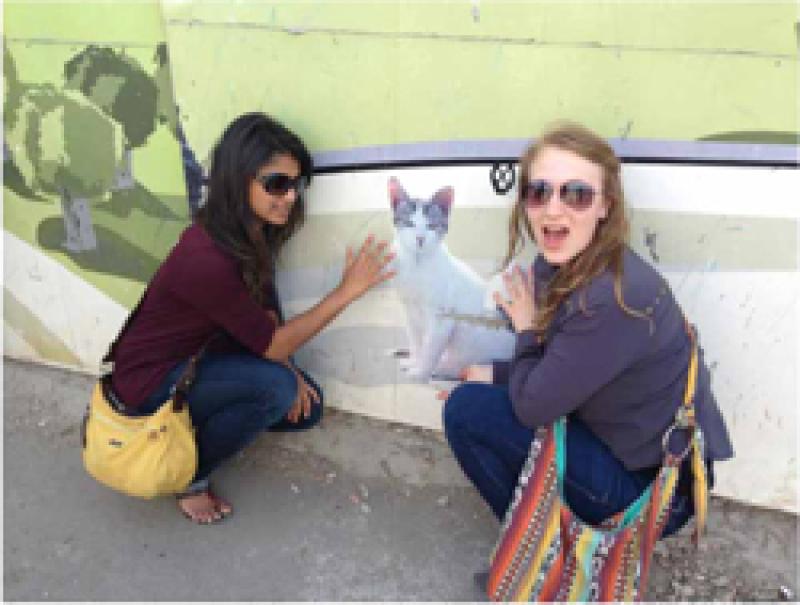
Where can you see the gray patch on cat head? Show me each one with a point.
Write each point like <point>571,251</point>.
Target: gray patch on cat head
<point>436,210</point>
<point>403,211</point>
<point>437,217</point>
<point>402,206</point>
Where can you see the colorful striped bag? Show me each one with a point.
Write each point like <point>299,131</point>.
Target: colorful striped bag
<point>546,553</point>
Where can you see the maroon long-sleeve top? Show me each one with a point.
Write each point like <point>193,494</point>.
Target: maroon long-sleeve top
<point>198,291</point>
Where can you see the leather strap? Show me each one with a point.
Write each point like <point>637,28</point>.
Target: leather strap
<point>184,382</point>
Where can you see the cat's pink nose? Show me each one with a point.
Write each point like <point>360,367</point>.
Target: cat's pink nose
<point>420,240</point>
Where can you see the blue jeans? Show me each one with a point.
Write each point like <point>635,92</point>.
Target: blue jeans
<point>235,397</point>
<point>491,446</point>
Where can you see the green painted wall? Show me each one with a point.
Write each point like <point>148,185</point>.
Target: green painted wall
<point>349,74</point>
<point>134,227</point>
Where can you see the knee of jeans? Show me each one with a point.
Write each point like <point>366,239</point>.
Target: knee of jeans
<point>281,393</point>
<point>459,407</point>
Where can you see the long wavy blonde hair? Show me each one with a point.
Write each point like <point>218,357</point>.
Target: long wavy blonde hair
<point>607,246</point>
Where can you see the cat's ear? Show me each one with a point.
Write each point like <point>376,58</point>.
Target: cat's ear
<point>396,192</point>
<point>444,199</point>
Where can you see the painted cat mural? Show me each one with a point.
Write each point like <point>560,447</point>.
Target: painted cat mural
<point>445,300</point>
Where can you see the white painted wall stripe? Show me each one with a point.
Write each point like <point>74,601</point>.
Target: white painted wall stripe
<point>724,190</point>
<point>82,316</point>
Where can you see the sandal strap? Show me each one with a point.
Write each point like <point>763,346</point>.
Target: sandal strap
<point>197,487</point>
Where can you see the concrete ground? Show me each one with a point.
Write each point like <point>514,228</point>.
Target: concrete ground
<point>357,509</point>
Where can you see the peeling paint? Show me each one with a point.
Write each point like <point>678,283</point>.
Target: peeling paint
<point>650,241</point>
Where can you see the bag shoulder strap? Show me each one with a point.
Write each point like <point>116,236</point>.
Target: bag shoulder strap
<point>186,378</point>
<point>112,348</point>
<point>685,419</point>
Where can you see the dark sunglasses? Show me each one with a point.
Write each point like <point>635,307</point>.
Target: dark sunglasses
<point>575,194</point>
<point>278,183</point>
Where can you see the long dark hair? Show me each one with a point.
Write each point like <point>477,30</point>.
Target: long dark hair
<point>249,142</point>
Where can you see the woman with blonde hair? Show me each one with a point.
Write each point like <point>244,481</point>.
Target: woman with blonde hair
<point>600,340</point>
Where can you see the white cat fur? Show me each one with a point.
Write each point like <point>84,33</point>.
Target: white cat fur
<point>432,285</point>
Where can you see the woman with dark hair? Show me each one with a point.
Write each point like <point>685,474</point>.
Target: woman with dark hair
<point>600,340</point>
<point>217,288</point>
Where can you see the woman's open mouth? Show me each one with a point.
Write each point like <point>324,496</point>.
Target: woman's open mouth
<point>553,236</point>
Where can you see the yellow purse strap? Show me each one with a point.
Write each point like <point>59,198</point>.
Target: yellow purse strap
<point>686,419</point>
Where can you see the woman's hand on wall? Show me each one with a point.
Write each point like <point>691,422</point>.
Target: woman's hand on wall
<point>362,271</point>
<point>365,269</point>
<point>521,304</point>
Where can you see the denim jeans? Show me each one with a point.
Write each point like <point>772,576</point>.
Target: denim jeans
<point>235,397</point>
<point>491,447</point>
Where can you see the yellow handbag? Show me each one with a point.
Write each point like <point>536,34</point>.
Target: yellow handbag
<point>143,456</point>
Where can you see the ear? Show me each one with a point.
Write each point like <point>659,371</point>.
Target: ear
<point>396,192</point>
<point>444,199</point>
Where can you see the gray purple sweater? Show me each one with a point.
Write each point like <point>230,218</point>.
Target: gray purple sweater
<point>623,376</point>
